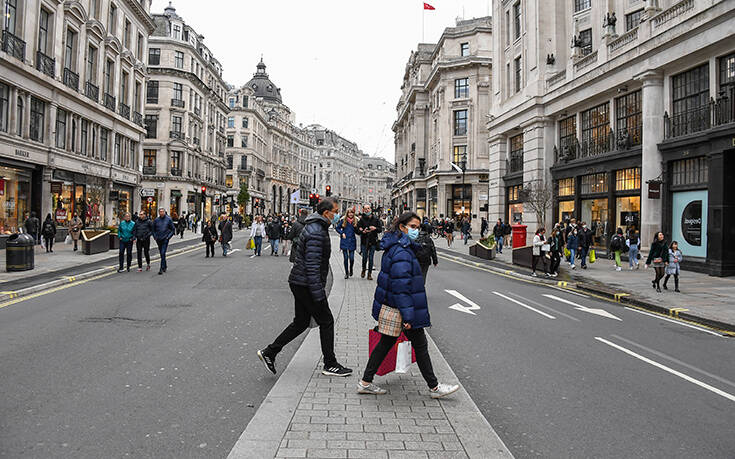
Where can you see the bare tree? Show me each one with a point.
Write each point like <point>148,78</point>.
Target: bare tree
<point>538,197</point>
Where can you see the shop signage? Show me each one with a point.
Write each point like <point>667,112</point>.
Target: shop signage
<point>654,190</point>
<point>60,215</point>
<point>691,223</point>
<point>147,192</point>
<point>114,195</point>
<point>482,197</point>
<point>22,153</point>
<point>56,187</point>
<point>629,219</point>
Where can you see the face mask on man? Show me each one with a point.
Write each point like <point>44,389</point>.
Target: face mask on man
<point>336,218</point>
<point>413,233</point>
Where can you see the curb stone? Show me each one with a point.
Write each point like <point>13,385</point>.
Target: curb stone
<point>620,297</point>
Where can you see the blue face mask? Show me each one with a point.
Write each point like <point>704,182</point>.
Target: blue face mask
<point>413,233</point>
<point>336,218</point>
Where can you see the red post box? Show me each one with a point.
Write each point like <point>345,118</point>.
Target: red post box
<point>519,235</point>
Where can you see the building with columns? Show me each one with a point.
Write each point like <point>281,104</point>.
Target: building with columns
<point>340,161</point>
<point>184,151</point>
<point>441,148</point>
<point>71,101</point>
<point>625,110</point>
<point>376,183</point>
<point>266,151</point>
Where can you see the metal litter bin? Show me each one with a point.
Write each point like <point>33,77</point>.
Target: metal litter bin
<point>19,254</point>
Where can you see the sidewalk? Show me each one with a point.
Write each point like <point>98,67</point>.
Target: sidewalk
<point>307,414</point>
<point>705,299</point>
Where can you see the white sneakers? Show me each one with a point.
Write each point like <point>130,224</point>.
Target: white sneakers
<point>370,389</point>
<point>442,390</point>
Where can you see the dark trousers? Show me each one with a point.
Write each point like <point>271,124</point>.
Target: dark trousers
<point>162,248</point>
<point>126,247</point>
<point>676,280</point>
<point>368,254</point>
<point>425,271</point>
<point>49,241</point>
<point>583,251</point>
<point>210,247</point>
<point>420,345</point>
<point>306,308</point>
<point>535,259</point>
<point>555,262</point>
<point>349,259</point>
<point>143,248</point>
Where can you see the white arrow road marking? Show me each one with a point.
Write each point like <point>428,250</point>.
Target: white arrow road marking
<point>670,370</point>
<point>233,251</point>
<point>458,307</point>
<point>525,305</point>
<point>599,312</point>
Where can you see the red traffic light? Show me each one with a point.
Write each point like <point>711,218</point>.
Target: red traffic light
<point>204,189</point>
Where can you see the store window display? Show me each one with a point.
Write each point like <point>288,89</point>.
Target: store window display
<point>15,198</point>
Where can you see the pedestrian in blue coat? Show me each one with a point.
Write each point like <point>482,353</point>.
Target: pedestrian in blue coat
<point>400,305</point>
<point>348,240</point>
<point>163,231</point>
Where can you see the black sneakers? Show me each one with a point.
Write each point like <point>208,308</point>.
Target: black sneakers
<point>336,370</point>
<point>267,360</point>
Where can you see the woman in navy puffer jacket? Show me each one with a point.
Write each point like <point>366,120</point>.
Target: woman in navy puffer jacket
<point>400,303</point>
<point>348,241</point>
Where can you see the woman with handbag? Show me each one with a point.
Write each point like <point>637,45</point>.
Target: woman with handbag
<point>75,230</point>
<point>400,304</point>
<point>209,237</point>
<point>540,247</point>
<point>659,256</point>
<point>257,232</point>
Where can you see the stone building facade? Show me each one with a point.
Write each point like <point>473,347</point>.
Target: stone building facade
<point>441,148</point>
<point>184,150</point>
<point>71,103</point>
<point>624,109</point>
<point>376,183</point>
<point>340,163</point>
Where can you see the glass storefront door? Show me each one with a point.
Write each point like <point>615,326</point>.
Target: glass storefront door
<point>566,210</point>
<point>689,222</point>
<point>595,214</point>
<point>515,213</point>
<point>628,213</point>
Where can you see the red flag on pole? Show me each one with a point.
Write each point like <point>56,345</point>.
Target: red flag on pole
<point>428,7</point>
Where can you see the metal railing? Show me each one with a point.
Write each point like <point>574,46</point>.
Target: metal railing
<point>176,135</point>
<point>610,142</point>
<point>92,91</point>
<point>138,118</point>
<point>176,172</point>
<point>177,103</point>
<point>715,113</point>
<point>71,79</point>
<point>14,46</point>
<point>45,64</point>
<point>110,101</point>
<point>149,170</point>
<point>124,110</point>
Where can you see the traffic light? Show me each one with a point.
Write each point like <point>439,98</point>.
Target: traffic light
<point>329,190</point>
<point>204,190</point>
<point>312,196</point>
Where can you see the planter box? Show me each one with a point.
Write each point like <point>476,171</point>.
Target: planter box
<point>114,241</point>
<point>522,256</point>
<point>95,241</point>
<point>480,251</point>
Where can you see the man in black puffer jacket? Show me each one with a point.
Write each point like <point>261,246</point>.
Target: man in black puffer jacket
<point>295,232</point>
<point>308,280</point>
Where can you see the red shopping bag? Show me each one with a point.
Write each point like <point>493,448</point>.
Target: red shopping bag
<point>389,363</point>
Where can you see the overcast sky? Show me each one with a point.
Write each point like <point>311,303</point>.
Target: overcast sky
<point>338,63</point>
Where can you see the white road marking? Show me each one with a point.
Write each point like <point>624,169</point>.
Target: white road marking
<point>233,251</point>
<point>599,312</point>
<point>670,370</point>
<point>458,307</point>
<point>566,290</point>
<point>545,307</point>
<point>668,357</point>
<point>675,321</point>
<point>525,305</point>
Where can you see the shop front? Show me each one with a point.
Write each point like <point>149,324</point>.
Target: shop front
<point>174,203</point>
<point>460,202</point>
<point>17,197</point>
<point>121,198</point>
<point>149,201</point>
<point>514,204</point>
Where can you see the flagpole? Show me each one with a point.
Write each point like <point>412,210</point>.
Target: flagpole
<point>423,24</point>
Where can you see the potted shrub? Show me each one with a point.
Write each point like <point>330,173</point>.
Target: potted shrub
<point>484,248</point>
<point>95,241</point>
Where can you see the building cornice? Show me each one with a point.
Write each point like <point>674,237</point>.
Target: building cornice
<point>141,14</point>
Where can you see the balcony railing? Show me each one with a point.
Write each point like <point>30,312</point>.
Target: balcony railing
<point>71,79</point>
<point>716,113</point>
<point>14,46</point>
<point>92,91</point>
<point>175,172</point>
<point>149,170</point>
<point>177,103</point>
<point>124,110</point>
<point>515,163</point>
<point>138,118</point>
<point>45,64</point>
<point>610,142</point>
<point>176,135</point>
<point>110,101</point>
<point>674,11</point>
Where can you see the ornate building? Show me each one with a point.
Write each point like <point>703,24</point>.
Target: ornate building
<point>441,146</point>
<point>376,181</point>
<point>184,152</point>
<point>71,103</point>
<point>625,109</point>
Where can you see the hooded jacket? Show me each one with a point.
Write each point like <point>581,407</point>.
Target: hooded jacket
<point>311,261</point>
<point>400,283</point>
<point>293,235</point>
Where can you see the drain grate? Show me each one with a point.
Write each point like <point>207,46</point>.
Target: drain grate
<point>139,323</point>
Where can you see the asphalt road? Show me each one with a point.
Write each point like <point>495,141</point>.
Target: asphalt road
<point>558,380</point>
<point>141,365</point>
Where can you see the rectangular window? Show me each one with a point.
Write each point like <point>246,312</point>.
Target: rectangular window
<point>92,64</point>
<point>5,107</point>
<point>514,193</point>
<point>104,143</point>
<point>516,153</point>
<point>245,101</point>
<point>94,142</point>
<point>84,134</point>
<point>245,122</point>
<point>177,31</point>
<point>594,183</point>
<point>727,74</point>
<point>124,82</point>
<point>460,122</point>
<point>628,179</point>
<point>140,46</point>
<point>464,49</point>
<point>43,31</point>
<point>230,140</point>
<point>38,116</point>
<point>176,162</point>
<point>694,171</point>
<point>596,130</point>
<point>70,50</point>
<point>460,155</point>
<point>232,102</point>
<point>518,73</point>
<point>11,16</point>
<point>109,76</point>
<point>230,121</point>
<point>152,92</point>
<point>179,59</point>
<point>126,34</point>
<point>633,19</point>
<point>112,20</point>
<point>461,88</point>
<point>517,20</point>
<point>149,158</point>
<point>176,124</point>
<point>229,161</point>
<point>136,96</point>
<point>585,37</point>
<point>151,126</point>
<point>565,187</point>
<point>629,119</point>
<point>580,5</point>
<point>154,56</point>
<point>568,133</point>
<point>178,91</point>
<point>117,150</point>
<point>244,141</point>
<point>690,101</point>
<point>60,128</point>
<point>507,28</point>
